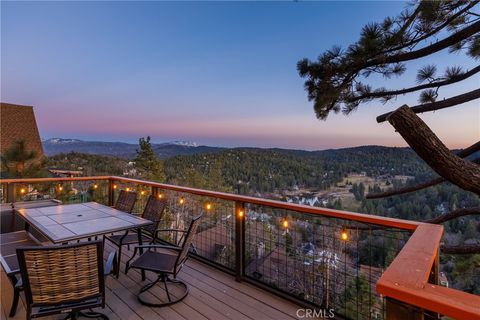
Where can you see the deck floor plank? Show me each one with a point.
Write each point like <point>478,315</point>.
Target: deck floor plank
<point>213,295</point>
<point>267,299</point>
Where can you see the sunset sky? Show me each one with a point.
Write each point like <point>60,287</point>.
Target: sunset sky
<point>217,73</point>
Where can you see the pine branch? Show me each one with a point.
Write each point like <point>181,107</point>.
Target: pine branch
<point>396,192</point>
<point>446,103</point>
<point>454,214</point>
<point>425,51</point>
<point>420,53</point>
<point>470,150</point>
<point>434,31</point>
<point>434,84</point>
<point>460,249</point>
<point>410,20</point>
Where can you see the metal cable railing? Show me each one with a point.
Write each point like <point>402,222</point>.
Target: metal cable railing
<point>328,259</point>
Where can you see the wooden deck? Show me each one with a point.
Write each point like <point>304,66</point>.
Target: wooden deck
<point>213,295</point>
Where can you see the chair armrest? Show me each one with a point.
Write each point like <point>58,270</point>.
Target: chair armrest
<point>155,235</point>
<point>111,263</point>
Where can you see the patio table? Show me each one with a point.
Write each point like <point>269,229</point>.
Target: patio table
<point>64,223</point>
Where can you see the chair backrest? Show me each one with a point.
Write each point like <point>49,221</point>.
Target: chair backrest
<point>56,275</point>
<point>126,201</point>
<point>189,236</point>
<point>154,210</point>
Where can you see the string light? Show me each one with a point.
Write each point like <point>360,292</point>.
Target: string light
<point>160,196</point>
<point>240,213</point>
<point>114,186</point>
<point>60,188</point>
<point>182,200</point>
<point>285,223</point>
<point>208,206</point>
<point>142,192</point>
<point>128,189</point>
<point>95,186</point>
<point>344,234</point>
<point>22,191</point>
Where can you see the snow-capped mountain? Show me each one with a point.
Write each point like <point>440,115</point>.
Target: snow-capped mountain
<point>60,140</point>
<point>184,143</point>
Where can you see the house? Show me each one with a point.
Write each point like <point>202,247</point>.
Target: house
<point>18,123</point>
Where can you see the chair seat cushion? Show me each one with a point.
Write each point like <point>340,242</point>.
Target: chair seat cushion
<point>129,239</point>
<point>156,261</point>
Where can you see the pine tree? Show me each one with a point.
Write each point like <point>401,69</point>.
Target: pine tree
<point>19,162</point>
<point>340,80</point>
<point>148,166</point>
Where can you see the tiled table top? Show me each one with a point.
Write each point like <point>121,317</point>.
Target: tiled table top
<point>65,223</point>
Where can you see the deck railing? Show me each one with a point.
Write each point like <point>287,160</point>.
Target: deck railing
<point>359,266</point>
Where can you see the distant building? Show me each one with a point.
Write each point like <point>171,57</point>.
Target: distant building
<point>18,123</point>
<point>213,243</point>
<point>442,279</point>
<point>65,173</point>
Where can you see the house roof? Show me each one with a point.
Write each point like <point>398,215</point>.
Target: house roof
<point>18,123</point>
<point>211,242</point>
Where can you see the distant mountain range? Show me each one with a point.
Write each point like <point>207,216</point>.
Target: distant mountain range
<point>55,146</point>
<point>180,148</point>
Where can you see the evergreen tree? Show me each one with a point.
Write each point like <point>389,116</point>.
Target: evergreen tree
<point>340,80</point>
<point>148,166</point>
<point>19,162</point>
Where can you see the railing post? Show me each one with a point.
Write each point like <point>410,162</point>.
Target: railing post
<point>434,273</point>
<point>11,193</point>
<point>434,279</point>
<point>397,310</point>
<point>111,194</point>
<point>239,240</point>
<point>154,191</point>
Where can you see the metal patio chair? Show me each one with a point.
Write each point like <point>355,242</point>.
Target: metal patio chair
<point>166,261</point>
<point>64,279</point>
<point>126,201</point>
<point>154,210</point>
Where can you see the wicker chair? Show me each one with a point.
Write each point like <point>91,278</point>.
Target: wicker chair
<point>153,211</point>
<point>126,201</point>
<point>64,279</point>
<point>165,263</point>
<point>8,259</point>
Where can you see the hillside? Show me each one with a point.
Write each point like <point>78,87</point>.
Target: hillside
<point>253,170</point>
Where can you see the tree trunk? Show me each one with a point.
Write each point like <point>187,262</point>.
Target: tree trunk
<point>426,144</point>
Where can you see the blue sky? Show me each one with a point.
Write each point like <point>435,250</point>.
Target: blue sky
<point>218,73</point>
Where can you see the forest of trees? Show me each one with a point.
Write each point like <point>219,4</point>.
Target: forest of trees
<point>251,171</point>
<point>89,164</point>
